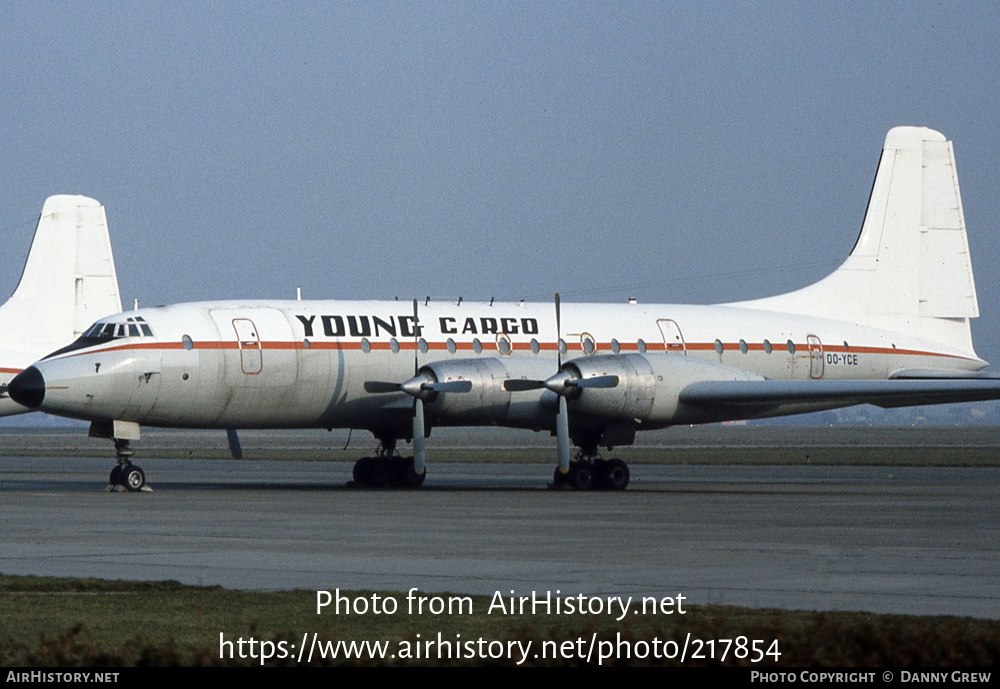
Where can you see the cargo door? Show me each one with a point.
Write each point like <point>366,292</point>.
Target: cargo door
<point>248,342</point>
<point>816,365</point>
<point>673,340</point>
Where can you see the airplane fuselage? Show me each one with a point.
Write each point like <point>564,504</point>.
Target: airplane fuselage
<point>258,364</point>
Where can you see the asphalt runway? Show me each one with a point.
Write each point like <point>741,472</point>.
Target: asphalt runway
<point>915,540</point>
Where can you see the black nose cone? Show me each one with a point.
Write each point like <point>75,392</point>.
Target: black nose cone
<point>28,388</point>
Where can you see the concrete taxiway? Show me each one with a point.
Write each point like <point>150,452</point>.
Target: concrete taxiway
<point>915,540</point>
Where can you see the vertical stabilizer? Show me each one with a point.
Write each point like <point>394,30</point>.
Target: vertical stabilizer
<point>910,270</point>
<point>68,282</point>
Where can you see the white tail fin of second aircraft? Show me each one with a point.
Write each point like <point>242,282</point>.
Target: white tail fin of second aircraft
<point>68,282</point>
<point>910,270</point>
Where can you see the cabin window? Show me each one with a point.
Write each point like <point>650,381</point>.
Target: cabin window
<point>422,344</point>
<point>743,346</point>
<point>641,346</point>
<point>394,345</point>
<point>767,346</point>
<point>562,346</point>
<point>452,347</point>
<point>503,345</point>
<point>535,347</point>
<point>791,347</point>
<point>718,347</point>
<point>366,346</point>
<point>615,346</point>
<point>306,344</point>
<point>587,342</point>
<point>477,346</point>
<point>187,342</point>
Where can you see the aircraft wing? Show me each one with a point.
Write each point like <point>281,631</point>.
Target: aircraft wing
<point>898,392</point>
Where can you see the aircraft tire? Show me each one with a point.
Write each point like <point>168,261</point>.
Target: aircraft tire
<point>615,475</point>
<point>379,472</point>
<point>361,470</point>
<point>406,476</point>
<point>133,478</point>
<point>581,476</point>
<point>115,476</point>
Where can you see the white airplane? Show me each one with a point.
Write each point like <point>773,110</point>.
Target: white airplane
<point>68,281</point>
<point>890,327</point>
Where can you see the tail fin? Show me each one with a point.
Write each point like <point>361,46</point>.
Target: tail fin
<point>68,281</point>
<point>910,270</point>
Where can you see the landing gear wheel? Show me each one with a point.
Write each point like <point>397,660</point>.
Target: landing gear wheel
<point>115,476</point>
<point>406,476</point>
<point>581,476</point>
<point>379,472</point>
<point>559,478</point>
<point>132,477</point>
<point>361,470</point>
<point>615,475</point>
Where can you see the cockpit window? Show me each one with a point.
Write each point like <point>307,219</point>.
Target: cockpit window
<point>101,332</point>
<point>130,327</point>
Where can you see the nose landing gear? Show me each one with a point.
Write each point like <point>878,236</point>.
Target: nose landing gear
<point>126,476</point>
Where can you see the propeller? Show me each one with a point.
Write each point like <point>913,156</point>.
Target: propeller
<point>235,449</point>
<point>562,414</point>
<point>419,430</point>
<point>562,383</point>
<point>566,382</point>
<point>421,387</point>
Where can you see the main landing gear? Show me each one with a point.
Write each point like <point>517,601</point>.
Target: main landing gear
<point>387,468</point>
<point>591,472</point>
<point>126,476</point>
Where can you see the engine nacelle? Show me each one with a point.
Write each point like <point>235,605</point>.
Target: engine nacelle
<point>648,389</point>
<point>488,402</point>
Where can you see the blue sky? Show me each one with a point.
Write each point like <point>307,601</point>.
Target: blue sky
<point>674,152</point>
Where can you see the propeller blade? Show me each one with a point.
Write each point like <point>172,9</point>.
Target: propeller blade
<point>562,415</point>
<point>419,444</point>
<point>381,386</point>
<point>235,449</point>
<point>562,435</point>
<point>522,385</point>
<point>416,340</point>
<point>595,382</point>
